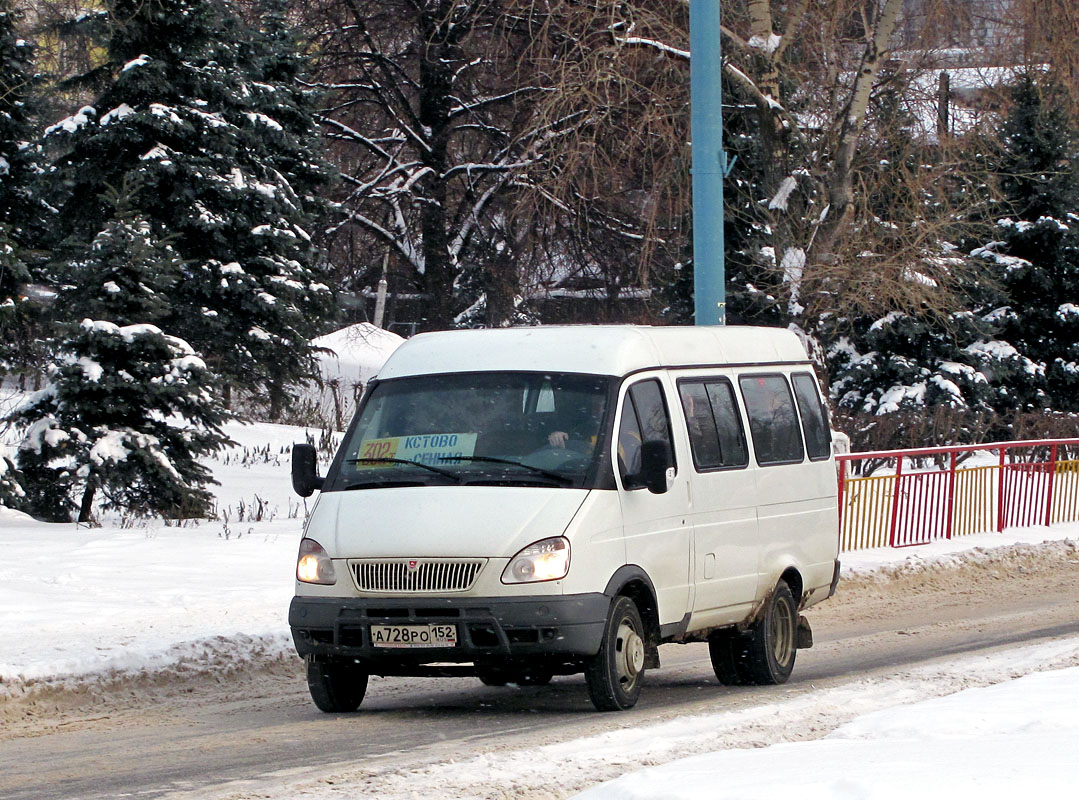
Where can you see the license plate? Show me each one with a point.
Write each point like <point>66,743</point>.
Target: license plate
<point>414,635</point>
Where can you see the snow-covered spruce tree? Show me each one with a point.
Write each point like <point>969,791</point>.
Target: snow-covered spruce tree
<point>16,175</point>
<point>907,365</point>
<point>1035,257</point>
<point>935,350</point>
<point>128,410</point>
<point>190,111</point>
<point>127,272</point>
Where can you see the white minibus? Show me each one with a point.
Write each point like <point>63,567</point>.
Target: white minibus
<point>521,503</point>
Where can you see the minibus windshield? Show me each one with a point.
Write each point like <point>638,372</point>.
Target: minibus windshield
<point>487,428</point>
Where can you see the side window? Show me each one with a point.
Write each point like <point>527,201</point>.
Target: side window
<point>772,420</point>
<point>715,428</point>
<point>644,418</point>
<point>732,438</point>
<point>629,443</point>
<point>814,424</point>
<point>703,438</point>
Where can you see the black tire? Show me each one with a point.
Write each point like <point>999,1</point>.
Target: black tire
<point>727,649</point>
<point>336,686</point>
<point>492,677</point>
<point>615,673</point>
<point>772,641</point>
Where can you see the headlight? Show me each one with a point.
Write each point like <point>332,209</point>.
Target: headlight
<point>313,565</point>
<point>545,560</point>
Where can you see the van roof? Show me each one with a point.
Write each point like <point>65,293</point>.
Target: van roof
<point>591,349</point>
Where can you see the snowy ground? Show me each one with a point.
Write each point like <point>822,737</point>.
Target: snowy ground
<point>1010,739</point>
<point>80,604</point>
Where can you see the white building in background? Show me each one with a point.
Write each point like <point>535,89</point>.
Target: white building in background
<point>967,33</point>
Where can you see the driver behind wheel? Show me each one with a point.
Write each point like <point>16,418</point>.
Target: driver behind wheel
<point>582,423</point>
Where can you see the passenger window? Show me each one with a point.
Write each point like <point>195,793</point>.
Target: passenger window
<point>644,418</point>
<point>814,423</point>
<point>715,428</point>
<point>703,438</point>
<point>732,437</point>
<point>772,420</point>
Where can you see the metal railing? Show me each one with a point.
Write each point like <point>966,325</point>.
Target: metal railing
<point>1008,484</point>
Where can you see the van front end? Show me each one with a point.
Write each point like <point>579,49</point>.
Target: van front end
<point>444,580</point>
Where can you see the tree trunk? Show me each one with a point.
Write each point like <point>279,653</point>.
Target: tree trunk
<point>840,181</point>
<point>87,505</point>
<point>436,89</point>
<point>277,399</point>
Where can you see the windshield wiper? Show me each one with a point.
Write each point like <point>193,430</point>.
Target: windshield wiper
<point>538,470</point>
<point>443,472</point>
<point>387,484</point>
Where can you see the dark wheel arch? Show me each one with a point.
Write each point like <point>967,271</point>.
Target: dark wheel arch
<point>633,582</point>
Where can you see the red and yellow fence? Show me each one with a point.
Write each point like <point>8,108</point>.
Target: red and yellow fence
<point>1009,484</point>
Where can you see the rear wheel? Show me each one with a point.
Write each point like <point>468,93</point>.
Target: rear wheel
<point>772,641</point>
<point>492,677</point>
<point>614,674</point>
<point>336,686</point>
<point>727,649</point>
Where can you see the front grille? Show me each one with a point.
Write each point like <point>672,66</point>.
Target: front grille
<point>427,576</point>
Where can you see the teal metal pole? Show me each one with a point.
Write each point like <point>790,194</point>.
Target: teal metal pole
<point>706,130</point>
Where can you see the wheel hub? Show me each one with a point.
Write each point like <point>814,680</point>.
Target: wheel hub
<point>783,634</point>
<point>632,661</point>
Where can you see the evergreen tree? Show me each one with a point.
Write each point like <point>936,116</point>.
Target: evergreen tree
<point>103,424</point>
<point>1038,163</point>
<point>190,112</point>
<point>16,175</point>
<point>126,274</point>
<point>128,410</point>
<point>754,293</point>
<point>905,364</point>
<point>1036,255</point>
<point>958,354</point>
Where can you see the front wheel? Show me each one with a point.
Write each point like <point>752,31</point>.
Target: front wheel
<point>615,673</point>
<point>336,686</point>
<point>772,641</point>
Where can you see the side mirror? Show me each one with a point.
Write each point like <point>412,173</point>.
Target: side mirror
<point>655,460</point>
<point>305,478</point>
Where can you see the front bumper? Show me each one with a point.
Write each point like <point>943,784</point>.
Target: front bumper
<point>490,630</point>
